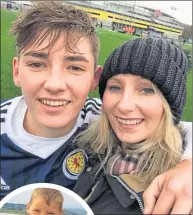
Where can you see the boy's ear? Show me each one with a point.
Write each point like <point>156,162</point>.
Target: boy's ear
<point>15,67</point>
<point>97,76</point>
<point>27,208</point>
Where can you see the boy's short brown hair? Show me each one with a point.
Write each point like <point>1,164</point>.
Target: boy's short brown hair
<point>49,195</point>
<point>54,18</point>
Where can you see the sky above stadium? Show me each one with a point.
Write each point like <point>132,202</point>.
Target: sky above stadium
<point>182,10</point>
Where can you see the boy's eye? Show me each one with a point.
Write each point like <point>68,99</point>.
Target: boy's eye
<point>36,65</point>
<point>36,210</point>
<point>114,88</point>
<point>148,90</point>
<point>75,68</point>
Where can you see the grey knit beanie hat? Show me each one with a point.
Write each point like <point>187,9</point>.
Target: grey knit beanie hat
<point>156,60</point>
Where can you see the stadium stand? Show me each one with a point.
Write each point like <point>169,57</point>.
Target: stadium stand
<point>123,16</point>
<point>144,20</point>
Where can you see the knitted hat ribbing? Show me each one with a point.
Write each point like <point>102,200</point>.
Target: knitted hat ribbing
<point>156,60</point>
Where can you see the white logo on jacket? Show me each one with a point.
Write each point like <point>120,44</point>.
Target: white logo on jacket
<point>4,186</point>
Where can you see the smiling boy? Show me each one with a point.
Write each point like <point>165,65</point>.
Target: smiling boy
<point>56,67</point>
<point>55,85</point>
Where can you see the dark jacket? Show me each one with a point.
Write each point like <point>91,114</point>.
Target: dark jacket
<point>107,194</point>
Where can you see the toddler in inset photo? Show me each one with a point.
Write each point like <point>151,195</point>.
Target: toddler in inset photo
<point>45,201</point>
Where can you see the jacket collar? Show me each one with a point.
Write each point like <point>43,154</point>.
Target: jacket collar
<point>133,182</point>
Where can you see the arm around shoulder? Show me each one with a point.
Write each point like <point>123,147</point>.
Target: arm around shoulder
<point>188,138</point>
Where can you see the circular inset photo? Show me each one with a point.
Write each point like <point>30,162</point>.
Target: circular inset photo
<point>43,199</point>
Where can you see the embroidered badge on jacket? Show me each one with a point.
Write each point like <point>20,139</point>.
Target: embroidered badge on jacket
<point>74,163</point>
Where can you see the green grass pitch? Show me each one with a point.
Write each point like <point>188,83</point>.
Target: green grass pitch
<point>108,39</point>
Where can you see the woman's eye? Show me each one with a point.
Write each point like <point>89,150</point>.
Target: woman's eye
<point>148,90</point>
<point>114,88</point>
<point>36,65</point>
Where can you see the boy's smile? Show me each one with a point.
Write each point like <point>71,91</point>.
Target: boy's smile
<point>55,85</point>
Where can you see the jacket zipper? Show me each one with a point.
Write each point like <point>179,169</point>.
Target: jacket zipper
<point>131,191</point>
<point>93,189</point>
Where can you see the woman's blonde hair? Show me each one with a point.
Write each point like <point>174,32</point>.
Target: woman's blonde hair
<point>157,154</point>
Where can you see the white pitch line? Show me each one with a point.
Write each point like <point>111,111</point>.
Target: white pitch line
<point>8,214</point>
<point>111,37</point>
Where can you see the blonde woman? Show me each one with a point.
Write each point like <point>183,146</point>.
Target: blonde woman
<point>139,135</point>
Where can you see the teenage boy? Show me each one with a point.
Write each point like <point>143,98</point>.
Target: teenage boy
<point>56,67</point>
